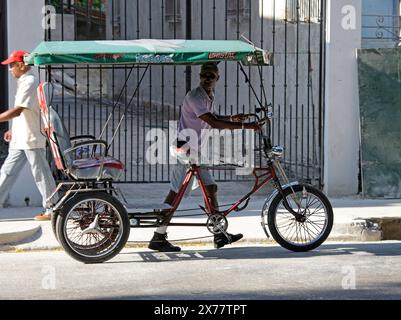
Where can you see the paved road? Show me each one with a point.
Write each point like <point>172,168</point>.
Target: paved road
<point>334,271</point>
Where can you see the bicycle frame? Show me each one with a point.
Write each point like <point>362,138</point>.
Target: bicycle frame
<point>262,176</point>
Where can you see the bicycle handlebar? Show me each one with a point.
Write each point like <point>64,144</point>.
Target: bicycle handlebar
<point>265,120</point>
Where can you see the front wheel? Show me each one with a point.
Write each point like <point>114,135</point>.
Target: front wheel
<point>93,227</point>
<point>309,228</point>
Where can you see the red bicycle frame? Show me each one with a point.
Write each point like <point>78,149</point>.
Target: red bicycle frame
<point>267,174</point>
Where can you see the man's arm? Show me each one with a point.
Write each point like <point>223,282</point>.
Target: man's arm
<point>217,123</point>
<point>11,113</point>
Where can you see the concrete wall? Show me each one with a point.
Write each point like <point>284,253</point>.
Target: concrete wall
<point>24,32</point>
<point>342,104</point>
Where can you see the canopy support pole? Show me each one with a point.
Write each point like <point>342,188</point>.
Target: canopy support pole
<point>263,107</point>
<point>126,107</point>
<point>115,105</point>
<point>250,84</point>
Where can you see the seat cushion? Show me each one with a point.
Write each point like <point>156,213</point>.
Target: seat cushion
<point>91,168</point>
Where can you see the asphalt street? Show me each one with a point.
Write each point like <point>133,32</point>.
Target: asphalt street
<point>243,272</point>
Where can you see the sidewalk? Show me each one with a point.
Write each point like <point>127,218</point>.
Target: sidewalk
<point>355,219</point>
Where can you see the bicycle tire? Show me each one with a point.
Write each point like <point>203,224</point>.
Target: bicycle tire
<point>54,218</point>
<point>296,245</point>
<point>93,253</point>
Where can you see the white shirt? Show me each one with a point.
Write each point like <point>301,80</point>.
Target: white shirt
<point>196,103</point>
<point>26,127</point>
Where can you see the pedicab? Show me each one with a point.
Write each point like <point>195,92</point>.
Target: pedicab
<point>91,218</point>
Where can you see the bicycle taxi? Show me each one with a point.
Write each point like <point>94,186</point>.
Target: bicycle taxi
<point>92,219</point>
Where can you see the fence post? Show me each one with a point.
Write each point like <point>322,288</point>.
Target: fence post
<point>188,35</point>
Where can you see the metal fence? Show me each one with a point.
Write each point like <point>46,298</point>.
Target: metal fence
<point>294,30</point>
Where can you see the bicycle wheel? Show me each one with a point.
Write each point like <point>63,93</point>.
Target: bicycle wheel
<point>310,228</point>
<point>93,227</point>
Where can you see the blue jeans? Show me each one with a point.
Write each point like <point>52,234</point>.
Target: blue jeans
<point>41,172</point>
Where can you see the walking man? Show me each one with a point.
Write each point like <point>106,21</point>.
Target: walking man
<point>197,113</point>
<point>26,140</point>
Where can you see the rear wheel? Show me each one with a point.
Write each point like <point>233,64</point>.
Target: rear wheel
<point>93,227</point>
<point>309,228</point>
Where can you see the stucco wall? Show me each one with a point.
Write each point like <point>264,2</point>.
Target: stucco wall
<point>24,33</point>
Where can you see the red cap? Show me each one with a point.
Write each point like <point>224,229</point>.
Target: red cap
<point>15,56</point>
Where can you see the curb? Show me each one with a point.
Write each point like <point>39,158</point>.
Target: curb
<point>370,229</point>
<point>390,227</point>
<point>18,235</point>
<point>358,230</point>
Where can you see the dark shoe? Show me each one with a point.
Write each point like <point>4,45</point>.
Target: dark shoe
<point>159,243</point>
<point>220,240</point>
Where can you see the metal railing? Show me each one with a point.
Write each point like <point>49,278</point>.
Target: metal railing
<point>380,30</point>
<point>294,83</point>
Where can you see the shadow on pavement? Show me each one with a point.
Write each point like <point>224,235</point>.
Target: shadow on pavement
<point>265,252</point>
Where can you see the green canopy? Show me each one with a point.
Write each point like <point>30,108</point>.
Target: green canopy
<point>146,51</point>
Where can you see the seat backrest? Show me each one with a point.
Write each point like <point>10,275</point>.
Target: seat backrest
<point>54,129</point>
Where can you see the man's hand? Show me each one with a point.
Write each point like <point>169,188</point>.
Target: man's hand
<point>7,136</point>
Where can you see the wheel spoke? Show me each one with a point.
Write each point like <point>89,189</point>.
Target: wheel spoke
<point>301,232</point>
<point>93,243</point>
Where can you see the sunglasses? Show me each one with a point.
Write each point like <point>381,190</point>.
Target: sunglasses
<point>210,76</point>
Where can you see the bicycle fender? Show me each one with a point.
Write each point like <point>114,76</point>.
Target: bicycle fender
<point>272,194</point>
<point>269,199</point>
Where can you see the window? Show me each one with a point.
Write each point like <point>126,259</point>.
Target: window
<point>173,11</point>
<point>309,10</point>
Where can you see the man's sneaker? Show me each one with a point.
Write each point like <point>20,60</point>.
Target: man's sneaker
<point>220,240</point>
<point>159,243</point>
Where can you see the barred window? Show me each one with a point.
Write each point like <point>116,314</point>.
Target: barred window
<point>308,10</point>
<point>173,11</point>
